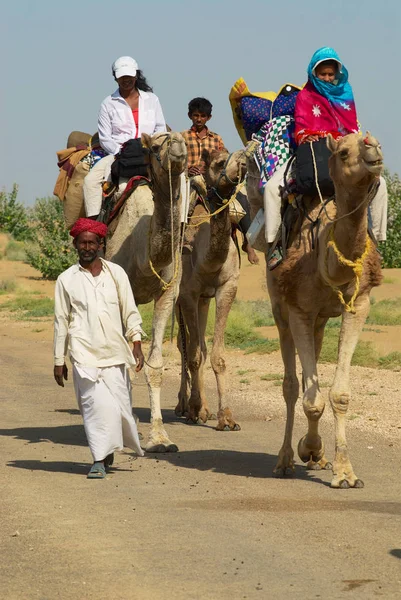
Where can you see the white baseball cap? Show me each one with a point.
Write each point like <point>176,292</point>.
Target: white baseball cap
<point>125,65</point>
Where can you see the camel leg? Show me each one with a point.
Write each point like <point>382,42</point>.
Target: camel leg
<point>182,344</point>
<point>343,473</point>
<point>310,447</point>
<point>189,308</point>
<point>203,311</point>
<point>158,438</point>
<point>225,296</point>
<point>290,392</point>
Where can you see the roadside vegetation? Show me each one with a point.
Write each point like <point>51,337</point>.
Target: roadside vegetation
<point>38,236</point>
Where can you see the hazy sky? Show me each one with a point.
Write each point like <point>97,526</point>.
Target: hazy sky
<point>56,65</point>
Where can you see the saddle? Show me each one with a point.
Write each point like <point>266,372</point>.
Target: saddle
<point>132,164</point>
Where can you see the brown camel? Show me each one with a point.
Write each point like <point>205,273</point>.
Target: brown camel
<point>146,244</point>
<point>310,286</point>
<point>210,271</point>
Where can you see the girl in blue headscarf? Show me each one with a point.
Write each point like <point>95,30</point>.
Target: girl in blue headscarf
<point>326,103</point>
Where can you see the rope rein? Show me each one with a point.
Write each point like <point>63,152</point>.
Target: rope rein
<point>371,193</point>
<point>356,266</point>
<point>225,201</point>
<point>174,255</point>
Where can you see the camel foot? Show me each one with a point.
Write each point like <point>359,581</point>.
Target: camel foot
<point>182,406</point>
<point>312,451</point>
<point>226,421</point>
<point>281,472</point>
<point>318,466</point>
<point>194,416</point>
<point>160,448</point>
<point>347,483</point>
<point>285,464</point>
<point>158,439</point>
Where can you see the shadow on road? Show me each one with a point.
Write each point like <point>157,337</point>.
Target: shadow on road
<point>70,435</point>
<point>232,462</point>
<point>396,552</point>
<point>51,466</point>
<point>69,411</point>
<point>57,466</point>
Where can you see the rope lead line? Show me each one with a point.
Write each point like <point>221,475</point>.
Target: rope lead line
<point>174,255</point>
<point>356,266</point>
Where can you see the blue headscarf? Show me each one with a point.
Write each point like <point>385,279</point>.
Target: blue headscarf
<point>335,93</point>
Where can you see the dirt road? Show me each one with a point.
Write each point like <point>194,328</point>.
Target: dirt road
<point>207,523</point>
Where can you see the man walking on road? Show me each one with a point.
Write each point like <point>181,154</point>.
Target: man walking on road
<point>94,309</point>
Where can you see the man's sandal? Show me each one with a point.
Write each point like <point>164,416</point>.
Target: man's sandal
<point>97,471</point>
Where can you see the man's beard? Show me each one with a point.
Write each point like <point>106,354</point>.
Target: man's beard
<point>87,257</point>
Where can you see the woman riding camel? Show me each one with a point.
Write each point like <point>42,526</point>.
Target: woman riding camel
<point>130,111</point>
<point>325,105</point>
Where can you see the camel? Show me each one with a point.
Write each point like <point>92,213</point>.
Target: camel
<point>210,271</point>
<point>312,285</point>
<point>145,243</point>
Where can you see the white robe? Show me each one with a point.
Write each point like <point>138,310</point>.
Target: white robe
<point>104,399</point>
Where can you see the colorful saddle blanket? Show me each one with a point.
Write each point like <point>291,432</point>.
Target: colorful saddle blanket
<point>251,110</point>
<point>276,146</point>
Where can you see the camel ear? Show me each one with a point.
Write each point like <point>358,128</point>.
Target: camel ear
<point>146,140</point>
<point>331,143</point>
<point>206,157</point>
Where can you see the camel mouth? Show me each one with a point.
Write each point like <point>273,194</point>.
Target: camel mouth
<point>374,165</point>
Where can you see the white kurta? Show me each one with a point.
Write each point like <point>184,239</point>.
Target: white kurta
<point>91,314</point>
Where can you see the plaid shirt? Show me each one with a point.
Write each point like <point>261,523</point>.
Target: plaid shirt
<point>196,145</point>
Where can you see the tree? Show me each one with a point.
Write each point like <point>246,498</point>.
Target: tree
<point>52,251</point>
<point>391,249</point>
<point>14,215</point>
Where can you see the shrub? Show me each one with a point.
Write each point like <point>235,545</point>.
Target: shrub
<point>52,251</point>
<point>391,249</point>
<point>7,286</point>
<point>13,215</point>
<point>15,251</point>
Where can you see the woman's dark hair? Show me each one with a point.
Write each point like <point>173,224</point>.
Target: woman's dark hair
<point>201,105</point>
<point>141,83</point>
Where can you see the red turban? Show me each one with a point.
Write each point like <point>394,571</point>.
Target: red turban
<point>95,227</point>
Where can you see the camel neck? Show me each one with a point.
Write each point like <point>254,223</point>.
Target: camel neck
<point>220,236</point>
<point>349,233</point>
<point>165,223</point>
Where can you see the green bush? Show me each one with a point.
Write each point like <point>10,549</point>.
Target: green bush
<point>391,249</point>
<point>14,215</point>
<point>52,251</point>
<point>15,251</point>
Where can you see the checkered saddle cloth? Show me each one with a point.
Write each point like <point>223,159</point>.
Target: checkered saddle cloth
<point>276,146</point>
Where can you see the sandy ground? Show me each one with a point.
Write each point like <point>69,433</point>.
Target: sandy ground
<point>208,522</point>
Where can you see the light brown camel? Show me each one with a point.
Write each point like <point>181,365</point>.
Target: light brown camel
<point>210,271</point>
<point>146,242</point>
<point>305,292</point>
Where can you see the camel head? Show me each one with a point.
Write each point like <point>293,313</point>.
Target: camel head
<point>224,170</point>
<point>355,160</point>
<point>166,149</point>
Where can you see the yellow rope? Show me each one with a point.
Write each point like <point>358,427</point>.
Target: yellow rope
<point>356,266</point>
<point>174,258</point>
<point>206,219</point>
<point>166,284</point>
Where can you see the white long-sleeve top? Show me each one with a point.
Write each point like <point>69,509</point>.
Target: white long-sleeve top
<point>91,315</point>
<point>116,124</point>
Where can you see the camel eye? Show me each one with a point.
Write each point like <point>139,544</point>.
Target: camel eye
<point>156,148</point>
<point>221,163</point>
<point>343,153</point>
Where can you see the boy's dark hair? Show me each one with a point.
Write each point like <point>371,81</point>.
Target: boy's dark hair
<point>201,105</point>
